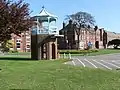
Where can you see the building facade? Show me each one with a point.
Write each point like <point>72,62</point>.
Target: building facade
<point>22,43</point>
<point>88,37</point>
<point>97,40</point>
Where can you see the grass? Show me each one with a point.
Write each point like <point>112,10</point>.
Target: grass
<point>99,52</point>
<point>19,53</point>
<point>106,51</point>
<point>54,75</point>
<point>94,53</point>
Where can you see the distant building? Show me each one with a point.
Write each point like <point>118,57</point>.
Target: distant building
<point>22,43</point>
<point>87,37</point>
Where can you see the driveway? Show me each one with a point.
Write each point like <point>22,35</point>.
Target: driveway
<point>110,61</point>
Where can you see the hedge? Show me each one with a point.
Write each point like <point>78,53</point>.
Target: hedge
<point>77,51</point>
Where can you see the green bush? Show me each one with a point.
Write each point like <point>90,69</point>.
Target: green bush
<point>76,51</point>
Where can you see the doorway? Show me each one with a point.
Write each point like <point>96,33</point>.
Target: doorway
<point>53,51</point>
<point>97,44</point>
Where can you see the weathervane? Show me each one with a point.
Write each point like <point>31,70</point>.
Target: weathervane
<point>43,7</point>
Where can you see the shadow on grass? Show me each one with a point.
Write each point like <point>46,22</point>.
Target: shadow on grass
<point>16,59</point>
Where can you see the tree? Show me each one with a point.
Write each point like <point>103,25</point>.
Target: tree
<point>115,43</point>
<point>81,20</point>
<point>14,18</point>
<point>5,47</point>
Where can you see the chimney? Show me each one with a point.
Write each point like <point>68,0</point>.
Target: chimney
<point>63,25</point>
<point>70,22</point>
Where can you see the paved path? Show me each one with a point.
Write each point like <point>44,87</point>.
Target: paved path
<point>111,61</point>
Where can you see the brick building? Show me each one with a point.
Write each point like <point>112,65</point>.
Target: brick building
<point>22,43</point>
<point>98,39</point>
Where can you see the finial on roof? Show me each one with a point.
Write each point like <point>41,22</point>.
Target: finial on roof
<point>43,7</point>
<point>43,12</point>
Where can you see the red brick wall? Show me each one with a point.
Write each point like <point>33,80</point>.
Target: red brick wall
<point>23,40</point>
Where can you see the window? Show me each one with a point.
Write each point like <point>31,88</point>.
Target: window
<point>27,34</point>
<point>28,46</point>
<point>18,40</point>
<point>101,35</point>
<point>18,45</point>
<point>28,39</point>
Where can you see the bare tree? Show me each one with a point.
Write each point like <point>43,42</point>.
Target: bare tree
<point>81,20</point>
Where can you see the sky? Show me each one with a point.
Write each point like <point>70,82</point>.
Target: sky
<point>105,12</point>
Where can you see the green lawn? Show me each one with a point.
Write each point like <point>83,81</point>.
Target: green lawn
<point>54,75</point>
<point>100,52</point>
<point>19,53</point>
<point>105,51</point>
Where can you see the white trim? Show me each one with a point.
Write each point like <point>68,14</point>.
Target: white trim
<point>102,64</point>
<point>73,63</point>
<point>91,63</point>
<point>110,63</point>
<point>81,62</point>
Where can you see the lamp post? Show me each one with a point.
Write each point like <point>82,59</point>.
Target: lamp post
<point>67,44</point>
